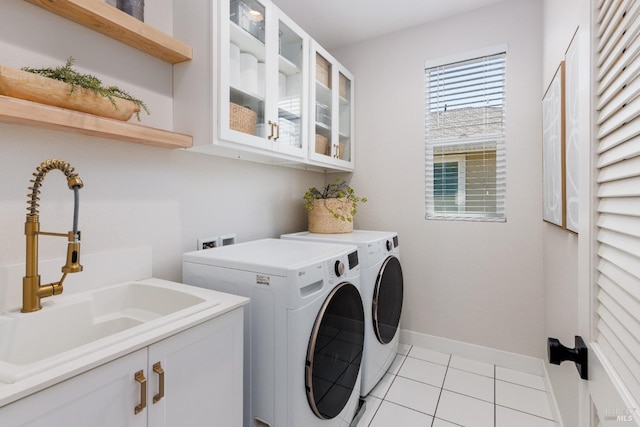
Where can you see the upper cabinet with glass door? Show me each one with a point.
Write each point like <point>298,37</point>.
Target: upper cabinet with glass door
<point>263,78</point>
<point>257,89</point>
<point>331,139</point>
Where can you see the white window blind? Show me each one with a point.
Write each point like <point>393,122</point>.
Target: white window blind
<point>617,308</point>
<point>465,139</point>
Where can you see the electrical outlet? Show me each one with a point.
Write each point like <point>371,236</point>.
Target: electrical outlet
<point>227,239</point>
<point>207,243</point>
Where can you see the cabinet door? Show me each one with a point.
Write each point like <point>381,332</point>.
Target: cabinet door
<point>103,397</point>
<point>292,85</point>
<point>202,374</point>
<point>244,62</point>
<point>331,138</point>
<point>263,77</point>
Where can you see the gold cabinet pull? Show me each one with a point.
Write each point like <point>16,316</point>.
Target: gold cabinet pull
<point>157,368</point>
<point>139,377</point>
<point>271,124</point>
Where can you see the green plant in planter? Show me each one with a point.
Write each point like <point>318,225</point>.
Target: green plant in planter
<point>68,75</point>
<point>336,190</point>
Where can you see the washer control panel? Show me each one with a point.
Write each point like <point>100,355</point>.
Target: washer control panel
<point>340,267</point>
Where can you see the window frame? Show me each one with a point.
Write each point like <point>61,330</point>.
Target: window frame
<point>496,141</point>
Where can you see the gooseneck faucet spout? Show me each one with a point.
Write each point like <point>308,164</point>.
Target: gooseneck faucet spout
<point>32,291</point>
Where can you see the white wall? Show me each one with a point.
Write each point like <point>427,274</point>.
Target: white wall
<point>474,282</point>
<point>133,195</point>
<point>567,256</point>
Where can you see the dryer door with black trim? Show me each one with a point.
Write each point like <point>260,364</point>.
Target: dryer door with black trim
<point>335,351</point>
<point>387,300</point>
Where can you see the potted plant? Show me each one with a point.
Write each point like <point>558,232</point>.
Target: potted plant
<point>332,208</point>
<point>67,88</point>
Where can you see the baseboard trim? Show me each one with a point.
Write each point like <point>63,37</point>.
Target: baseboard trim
<point>502,358</point>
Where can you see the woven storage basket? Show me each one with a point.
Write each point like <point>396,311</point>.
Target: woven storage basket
<point>242,119</point>
<point>323,71</point>
<point>322,221</point>
<point>343,149</point>
<point>322,145</point>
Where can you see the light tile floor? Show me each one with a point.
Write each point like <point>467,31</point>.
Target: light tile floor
<point>427,388</point>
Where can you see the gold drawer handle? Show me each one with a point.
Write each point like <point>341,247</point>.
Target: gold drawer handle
<point>139,377</point>
<point>157,368</point>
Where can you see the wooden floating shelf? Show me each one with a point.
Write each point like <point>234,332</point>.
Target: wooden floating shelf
<point>18,111</point>
<point>108,20</point>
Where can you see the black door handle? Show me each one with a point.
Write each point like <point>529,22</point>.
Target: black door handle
<point>558,353</point>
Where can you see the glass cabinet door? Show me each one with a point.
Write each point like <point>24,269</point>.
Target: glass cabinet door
<point>245,76</point>
<point>263,78</point>
<point>331,139</point>
<point>323,106</point>
<point>343,150</point>
<point>292,83</point>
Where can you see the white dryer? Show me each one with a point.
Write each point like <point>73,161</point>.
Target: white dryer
<point>382,288</point>
<point>304,327</point>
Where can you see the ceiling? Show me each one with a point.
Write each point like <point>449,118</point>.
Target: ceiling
<point>336,23</point>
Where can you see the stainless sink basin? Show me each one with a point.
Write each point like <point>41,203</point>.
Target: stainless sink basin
<point>71,326</point>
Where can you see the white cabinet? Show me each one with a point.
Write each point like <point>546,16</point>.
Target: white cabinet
<point>250,90</point>
<point>199,370</point>
<point>202,375</point>
<point>104,396</point>
<point>263,95</point>
<point>331,132</point>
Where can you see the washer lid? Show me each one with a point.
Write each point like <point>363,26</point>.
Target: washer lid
<point>269,256</point>
<point>356,237</point>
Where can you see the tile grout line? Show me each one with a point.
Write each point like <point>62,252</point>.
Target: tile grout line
<point>392,381</point>
<point>433,420</point>
<point>495,402</point>
<point>521,410</point>
<point>521,385</point>
<point>528,413</point>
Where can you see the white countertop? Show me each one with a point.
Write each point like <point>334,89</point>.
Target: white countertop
<point>224,303</point>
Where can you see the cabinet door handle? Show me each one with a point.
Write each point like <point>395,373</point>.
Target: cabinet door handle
<point>139,377</point>
<point>157,368</point>
<point>271,133</point>
<point>277,131</point>
<point>337,155</point>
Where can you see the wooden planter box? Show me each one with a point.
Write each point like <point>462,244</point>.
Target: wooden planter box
<point>33,87</point>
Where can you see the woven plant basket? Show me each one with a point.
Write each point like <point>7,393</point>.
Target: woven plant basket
<point>322,221</point>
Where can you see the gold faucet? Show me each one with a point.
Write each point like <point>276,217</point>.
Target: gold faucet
<point>32,291</point>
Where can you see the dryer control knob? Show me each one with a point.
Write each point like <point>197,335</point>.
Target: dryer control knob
<point>389,245</point>
<point>339,268</point>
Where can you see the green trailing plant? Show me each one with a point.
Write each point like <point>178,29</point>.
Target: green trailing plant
<point>68,75</point>
<point>338,189</point>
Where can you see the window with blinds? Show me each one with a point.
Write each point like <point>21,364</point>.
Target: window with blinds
<point>465,139</point>
<point>617,309</point>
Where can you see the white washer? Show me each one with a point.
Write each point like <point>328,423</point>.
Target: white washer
<point>382,289</point>
<point>304,327</point>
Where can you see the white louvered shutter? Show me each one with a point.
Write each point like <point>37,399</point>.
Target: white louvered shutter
<point>617,308</point>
